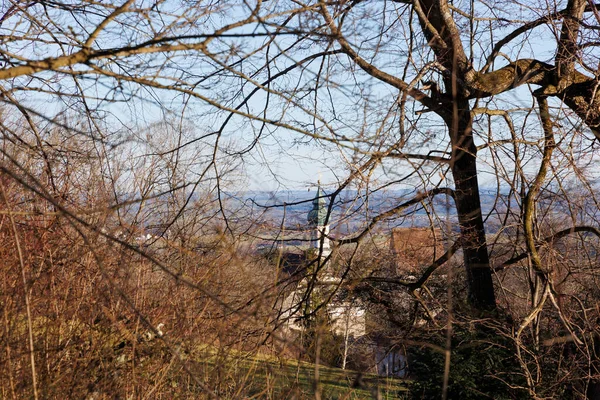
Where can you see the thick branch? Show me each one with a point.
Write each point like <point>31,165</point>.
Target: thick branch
<point>517,73</point>
<point>442,33</point>
<point>578,91</point>
<point>567,44</point>
<point>549,240</point>
<point>529,204</point>
<point>528,26</point>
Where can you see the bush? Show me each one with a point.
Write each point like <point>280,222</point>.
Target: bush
<point>481,368</point>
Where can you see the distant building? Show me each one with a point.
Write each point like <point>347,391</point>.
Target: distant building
<point>415,248</point>
<point>347,317</point>
<point>365,334</point>
<point>318,223</point>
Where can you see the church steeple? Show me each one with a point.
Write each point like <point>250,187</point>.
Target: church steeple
<point>317,221</point>
<point>318,214</point>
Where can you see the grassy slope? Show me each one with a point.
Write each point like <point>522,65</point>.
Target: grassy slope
<point>251,377</point>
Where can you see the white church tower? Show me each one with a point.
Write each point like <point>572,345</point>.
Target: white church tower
<point>317,222</point>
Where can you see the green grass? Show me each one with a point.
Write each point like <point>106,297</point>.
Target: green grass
<point>230,374</point>
<point>238,375</point>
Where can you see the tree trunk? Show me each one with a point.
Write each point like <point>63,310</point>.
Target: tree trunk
<point>468,205</point>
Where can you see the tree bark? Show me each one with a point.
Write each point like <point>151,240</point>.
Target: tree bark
<point>443,36</point>
<point>578,91</point>
<point>468,205</point>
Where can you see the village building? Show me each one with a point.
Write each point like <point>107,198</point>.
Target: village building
<point>309,261</point>
<point>412,248</point>
<point>347,316</point>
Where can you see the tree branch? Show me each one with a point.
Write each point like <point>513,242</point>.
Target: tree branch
<point>415,200</point>
<point>370,69</point>
<point>549,240</point>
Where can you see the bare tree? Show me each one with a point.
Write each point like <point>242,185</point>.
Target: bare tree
<point>169,107</point>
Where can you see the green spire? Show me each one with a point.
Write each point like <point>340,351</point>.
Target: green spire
<point>318,214</point>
